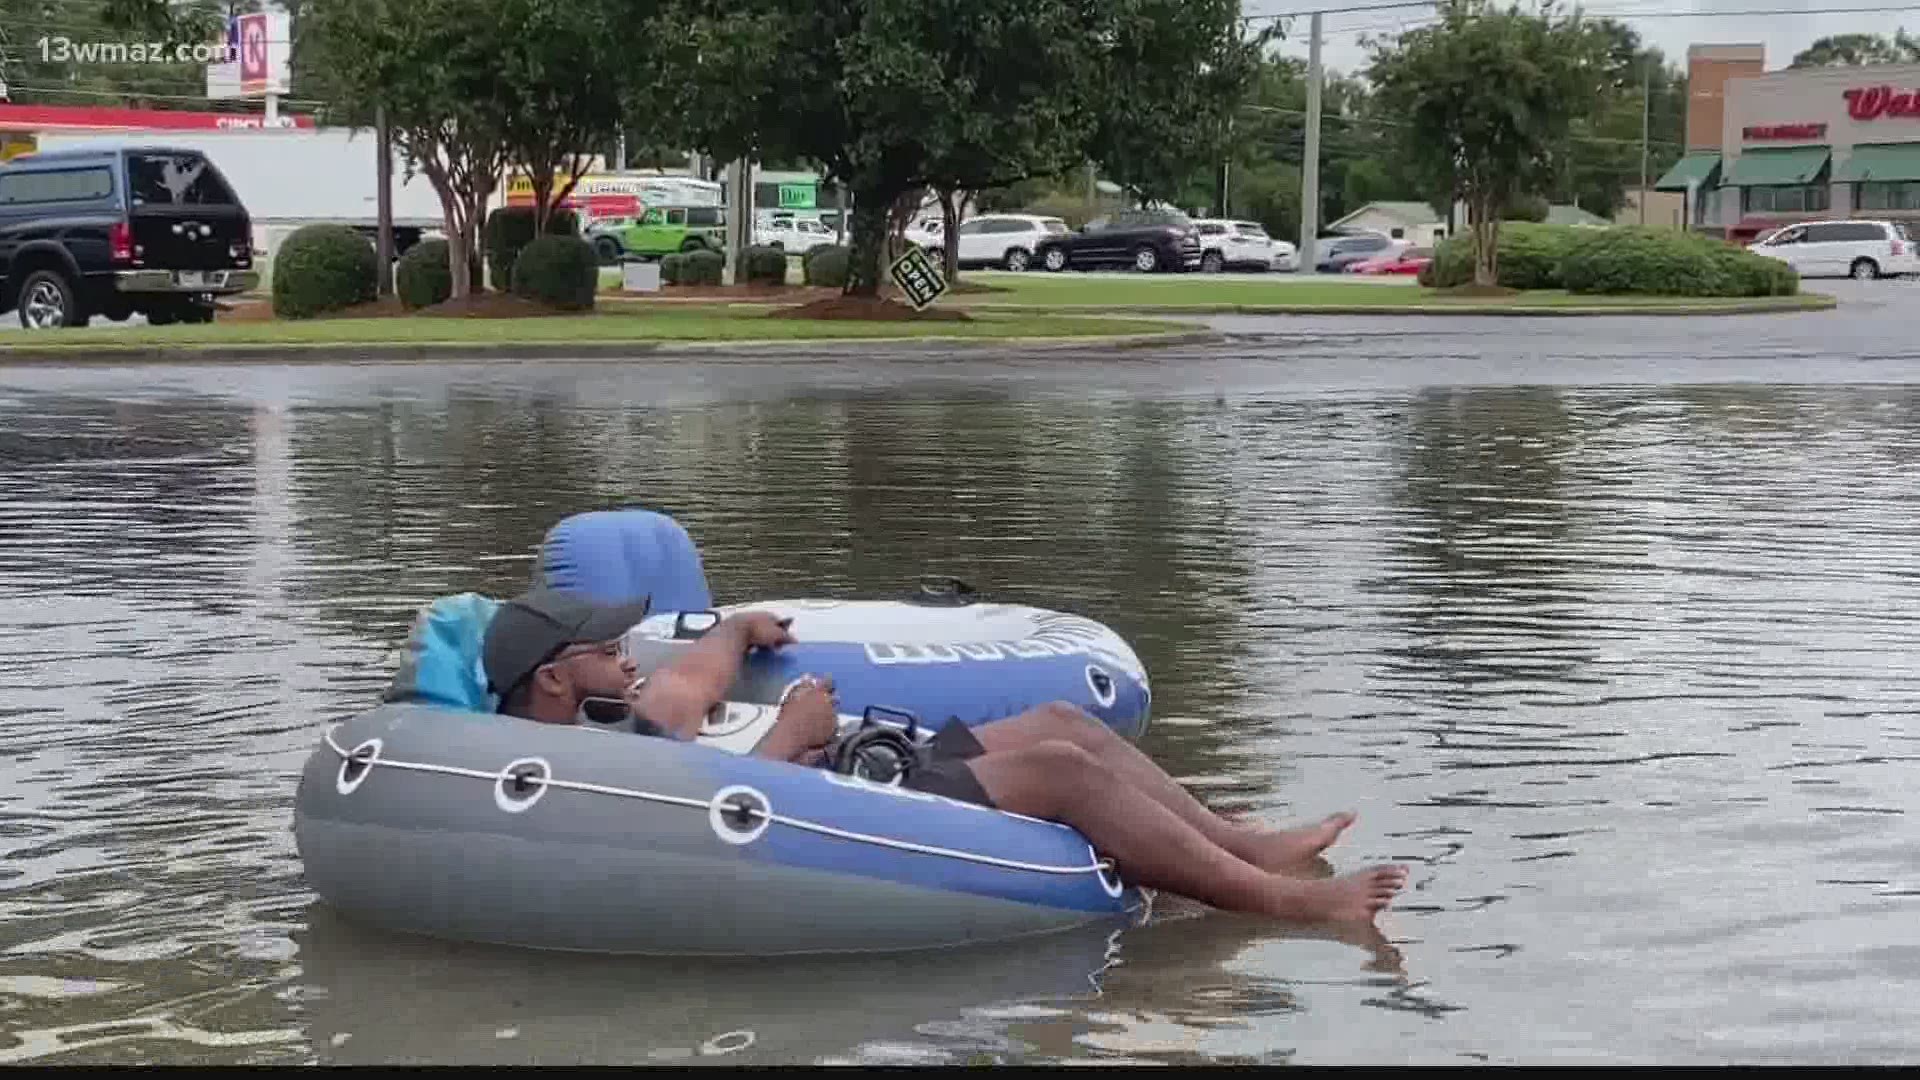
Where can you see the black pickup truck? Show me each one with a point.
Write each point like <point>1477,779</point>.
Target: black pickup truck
<point>1146,240</point>
<point>115,231</point>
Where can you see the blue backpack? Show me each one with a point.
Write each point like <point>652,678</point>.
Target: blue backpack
<point>441,664</point>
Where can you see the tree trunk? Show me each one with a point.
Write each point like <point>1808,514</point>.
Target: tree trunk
<point>450,207</point>
<point>950,237</point>
<point>899,216</point>
<point>1486,242</point>
<point>868,243</point>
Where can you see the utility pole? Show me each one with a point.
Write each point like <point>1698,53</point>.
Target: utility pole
<point>1646,116</point>
<point>383,201</point>
<point>1310,160</point>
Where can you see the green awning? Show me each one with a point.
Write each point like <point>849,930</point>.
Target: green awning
<point>1880,161</point>
<point>1700,167</point>
<point>1776,166</point>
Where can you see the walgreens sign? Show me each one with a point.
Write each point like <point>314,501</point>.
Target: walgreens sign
<point>1874,102</point>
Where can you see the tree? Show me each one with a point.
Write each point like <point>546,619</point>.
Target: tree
<point>1169,78</point>
<point>1487,97</point>
<point>434,65</point>
<point>882,93</point>
<point>39,60</point>
<point>1856,50</point>
<point>564,78</point>
<point>1601,159</point>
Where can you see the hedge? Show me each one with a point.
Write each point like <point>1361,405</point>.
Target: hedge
<point>826,265</point>
<point>766,265</point>
<point>510,228</point>
<point>1667,262</point>
<point>702,267</point>
<point>1529,256</point>
<point>322,268</point>
<point>561,271</point>
<point>423,278</point>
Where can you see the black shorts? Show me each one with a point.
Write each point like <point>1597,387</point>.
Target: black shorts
<point>942,768</point>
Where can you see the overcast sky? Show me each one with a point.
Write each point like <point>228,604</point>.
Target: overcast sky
<point>1783,35</point>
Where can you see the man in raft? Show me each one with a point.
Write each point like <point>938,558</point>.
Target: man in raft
<point>547,652</point>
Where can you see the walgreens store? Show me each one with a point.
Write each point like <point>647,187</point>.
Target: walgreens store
<point>1806,144</point>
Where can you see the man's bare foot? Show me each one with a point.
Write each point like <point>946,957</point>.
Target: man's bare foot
<point>1350,898</point>
<point>1294,851</point>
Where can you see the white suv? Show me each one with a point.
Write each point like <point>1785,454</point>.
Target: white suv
<point>796,236</point>
<point>1858,249</point>
<point>1007,240</point>
<point>1241,245</point>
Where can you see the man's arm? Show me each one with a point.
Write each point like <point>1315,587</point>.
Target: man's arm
<point>677,698</point>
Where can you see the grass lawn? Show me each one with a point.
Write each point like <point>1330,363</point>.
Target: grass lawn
<point>1203,292</point>
<point>693,323</point>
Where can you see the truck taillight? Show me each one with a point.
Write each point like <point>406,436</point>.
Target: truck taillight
<point>120,241</point>
<point>1899,248</point>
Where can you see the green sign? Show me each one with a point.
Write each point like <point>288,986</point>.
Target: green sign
<point>797,196</point>
<point>918,277</point>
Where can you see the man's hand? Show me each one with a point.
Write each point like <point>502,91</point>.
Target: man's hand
<point>762,629</point>
<point>809,719</point>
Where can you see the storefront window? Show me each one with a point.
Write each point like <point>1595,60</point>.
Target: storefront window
<point>1888,195</point>
<point>1785,200</point>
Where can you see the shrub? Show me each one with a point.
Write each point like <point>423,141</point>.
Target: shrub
<point>322,268</point>
<point>1637,259</point>
<point>423,279</point>
<point>671,267</point>
<point>703,267</point>
<point>557,270</point>
<point>767,265</point>
<point>510,228</point>
<point>1529,257</point>
<point>826,265</point>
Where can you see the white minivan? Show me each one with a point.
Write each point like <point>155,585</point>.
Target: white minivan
<point>1858,249</point>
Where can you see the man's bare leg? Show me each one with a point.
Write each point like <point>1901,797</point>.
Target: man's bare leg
<point>1289,851</point>
<point>1156,848</point>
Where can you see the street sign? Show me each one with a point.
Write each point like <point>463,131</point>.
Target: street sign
<point>918,277</point>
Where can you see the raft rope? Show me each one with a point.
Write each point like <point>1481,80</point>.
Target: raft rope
<point>1102,867</point>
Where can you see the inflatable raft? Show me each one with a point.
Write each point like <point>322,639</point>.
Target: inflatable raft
<point>433,814</point>
<point>490,828</point>
<point>938,654</point>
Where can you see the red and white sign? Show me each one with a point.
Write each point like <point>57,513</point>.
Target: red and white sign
<point>256,60</point>
<point>50,118</point>
<point>1766,132</point>
<point>1874,102</point>
<point>253,51</point>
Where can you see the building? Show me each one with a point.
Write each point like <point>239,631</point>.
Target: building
<point>1414,221</point>
<point>1797,144</point>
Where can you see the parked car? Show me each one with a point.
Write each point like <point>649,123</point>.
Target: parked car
<point>148,229</point>
<point>1857,249</point>
<point>1238,245</point>
<point>604,235</point>
<point>1332,256</point>
<point>664,230</point>
<point>1286,257</point>
<point>796,236</point>
<point>1003,240</point>
<point>1145,240</point>
<point>926,231</point>
<point>1410,261</point>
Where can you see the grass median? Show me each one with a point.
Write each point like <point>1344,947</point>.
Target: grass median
<point>1196,293</point>
<point>691,324</point>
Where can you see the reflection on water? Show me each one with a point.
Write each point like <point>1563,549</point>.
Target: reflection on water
<point>1627,674</point>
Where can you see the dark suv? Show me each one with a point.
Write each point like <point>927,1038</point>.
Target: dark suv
<point>1146,240</point>
<point>114,231</point>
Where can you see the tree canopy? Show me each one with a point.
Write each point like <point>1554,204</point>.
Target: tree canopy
<point>1489,98</point>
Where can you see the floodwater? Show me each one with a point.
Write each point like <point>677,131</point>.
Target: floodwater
<point>1607,628</point>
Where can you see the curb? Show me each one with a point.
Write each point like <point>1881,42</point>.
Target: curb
<point>602,351</point>
<point>1827,303</point>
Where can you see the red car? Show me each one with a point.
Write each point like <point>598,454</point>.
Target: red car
<point>1409,261</point>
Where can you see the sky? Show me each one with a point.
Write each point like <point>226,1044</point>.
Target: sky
<point>1673,25</point>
